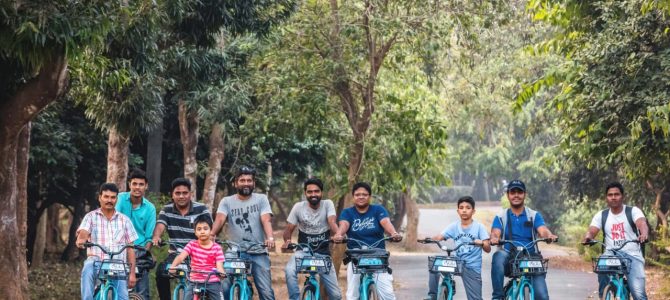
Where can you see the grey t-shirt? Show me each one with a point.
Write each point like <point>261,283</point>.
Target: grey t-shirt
<point>244,220</point>
<point>312,224</point>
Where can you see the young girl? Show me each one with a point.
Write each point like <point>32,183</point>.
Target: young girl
<point>206,255</point>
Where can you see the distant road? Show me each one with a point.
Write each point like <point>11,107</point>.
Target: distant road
<point>411,270</point>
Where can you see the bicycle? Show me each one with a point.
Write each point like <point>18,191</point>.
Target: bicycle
<point>110,270</point>
<point>141,265</point>
<point>200,288</point>
<point>181,275</point>
<point>238,269</point>
<point>523,266</point>
<point>448,266</point>
<point>615,267</point>
<point>367,261</point>
<point>311,265</point>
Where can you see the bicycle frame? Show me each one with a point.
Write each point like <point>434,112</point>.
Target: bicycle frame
<point>447,281</point>
<point>367,277</point>
<point>520,282</point>
<point>310,280</point>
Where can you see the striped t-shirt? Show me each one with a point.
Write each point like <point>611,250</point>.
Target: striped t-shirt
<point>203,260</point>
<point>180,228</point>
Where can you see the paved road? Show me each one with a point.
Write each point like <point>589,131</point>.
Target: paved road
<point>411,275</point>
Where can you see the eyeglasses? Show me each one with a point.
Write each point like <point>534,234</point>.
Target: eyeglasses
<point>359,195</point>
<point>246,170</point>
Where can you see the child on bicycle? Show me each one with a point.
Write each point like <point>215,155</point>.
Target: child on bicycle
<point>206,256</point>
<point>466,230</point>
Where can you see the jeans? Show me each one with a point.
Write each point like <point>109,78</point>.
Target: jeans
<point>89,275</point>
<point>142,285</point>
<point>329,280</point>
<point>635,277</point>
<point>384,283</point>
<point>500,261</point>
<point>472,281</point>
<point>260,270</point>
<point>214,291</point>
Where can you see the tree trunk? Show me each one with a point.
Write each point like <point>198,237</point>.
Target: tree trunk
<point>155,157</point>
<point>70,249</point>
<point>40,242</point>
<point>188,130</point>
<point>412,229</point>
<point>54,242</point>
<point>400,210</point>
<point>216,155</point>
<point>117,158</point>
<point>22,155</point>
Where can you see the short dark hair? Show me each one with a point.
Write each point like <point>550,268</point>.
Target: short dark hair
<point>314,181</point>
<point>181,181</point>
<point>203,218</point>
<point>614,185</point>
<point>245,170</point>
<point>108,186</point>
<point>466,199</point>
<point>137,174</point>
<point>359,185</point>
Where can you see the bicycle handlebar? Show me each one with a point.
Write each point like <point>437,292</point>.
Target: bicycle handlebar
<point>112,253</point>
<point>444,247</point>
<point>365,245</point>
<point>307,246</point>
<point>529,245</point>
<point>594,242</point>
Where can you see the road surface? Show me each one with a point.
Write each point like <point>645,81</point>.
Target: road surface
<point>411,275</point>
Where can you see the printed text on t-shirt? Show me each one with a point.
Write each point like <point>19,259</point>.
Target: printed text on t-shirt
<point>363,224</point>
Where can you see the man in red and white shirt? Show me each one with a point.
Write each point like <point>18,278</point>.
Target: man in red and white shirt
<point>111,229</point>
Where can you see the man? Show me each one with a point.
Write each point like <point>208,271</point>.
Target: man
<point>178,218</point>
<point>521,225</point>
<point>315,220</point>
<point>620,223</point>
<point>107,227</point>
<point>366,223</point>
<point>250,218</point>
<point>142,214</point>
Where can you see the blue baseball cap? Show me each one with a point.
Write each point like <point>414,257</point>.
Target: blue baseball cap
<point>516,184</point>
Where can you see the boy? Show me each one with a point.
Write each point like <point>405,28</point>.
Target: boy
<point>205,255</point>
<point>466,230</point>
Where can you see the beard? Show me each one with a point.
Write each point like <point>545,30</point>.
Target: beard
<point>313,200</point>
<point>245,191</point>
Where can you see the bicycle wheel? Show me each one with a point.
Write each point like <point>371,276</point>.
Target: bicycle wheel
<point>179,293</point>
<point>308,293</point>
<point>372,292</point>
<point>526,293</point>
<point>236,292</point>
<point>135,296</point>
<point>445,292</point>
<point>610,293</point>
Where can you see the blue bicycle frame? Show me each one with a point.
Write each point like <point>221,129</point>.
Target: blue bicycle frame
<point>523,266</point>
<point>110,270</point>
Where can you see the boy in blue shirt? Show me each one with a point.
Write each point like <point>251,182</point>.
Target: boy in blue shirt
<point>466,230</point>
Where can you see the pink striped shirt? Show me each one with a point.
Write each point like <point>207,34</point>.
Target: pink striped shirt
<point>112,234</point>
<point>203,260</point>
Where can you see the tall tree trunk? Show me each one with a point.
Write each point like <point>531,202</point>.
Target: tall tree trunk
<point>40,241</point>
<point>155,157</point>
<point>216,155</point>
<point>188,130</point>
<point>400,210</point>
<point>54,242</point>
<point>70,250</point>
<point>412,229</point>
<point>117,158</point>
<point>16,111</point>
<point>22,156</point>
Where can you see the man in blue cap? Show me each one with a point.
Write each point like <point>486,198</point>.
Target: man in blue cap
<point>521,225</point>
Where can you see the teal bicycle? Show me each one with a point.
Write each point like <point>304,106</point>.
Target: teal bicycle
<point>311,265</point>
<point>523,266</point>
<point>238,268</point>
<point>367,261</point>
<point>179,292</point>
<point>615,267</point>
<point>110,271</point>
<point>447,266</point>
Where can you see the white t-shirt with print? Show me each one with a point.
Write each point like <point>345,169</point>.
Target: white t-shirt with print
<point>617,231</point>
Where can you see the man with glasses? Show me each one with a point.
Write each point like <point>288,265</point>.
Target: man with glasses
<point>250,216</point>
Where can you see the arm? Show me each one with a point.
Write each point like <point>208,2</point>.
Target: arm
<point>158,232</point>
<point>288,232</point>
<point>545,233</point>
<point>341,230</point>
<point>178,260</point>
<point>266,220</point>
<point>218,223</point>
<point>486,246</point>
<point>390,229</point>
<point>150,227</point>
<point>219,267</point>
<point>82,237</point>
<point>590,234</point>
<point>332,223</point>
<point>641,224</point>
<point>495,236</point>
<point>132,279</point>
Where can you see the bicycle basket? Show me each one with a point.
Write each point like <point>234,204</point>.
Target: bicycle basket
<point>529,266</point>
<point>234,266</point>
<point>113,269</point>
<point>377,262</point>
<point>611,264</point>
<point>313,264</point>
<point>445,264</point>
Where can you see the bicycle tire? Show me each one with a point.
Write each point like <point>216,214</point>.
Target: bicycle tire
<point>135,296</point>
<point>610,293</point>
<point>179,293</point>
<point>236,292</point>
<point>446,292</point>
<point>526,293</point>
<point>372,292</point>
<point>308,293</point>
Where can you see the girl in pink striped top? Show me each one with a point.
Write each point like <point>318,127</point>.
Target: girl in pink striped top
<point>206,255</point>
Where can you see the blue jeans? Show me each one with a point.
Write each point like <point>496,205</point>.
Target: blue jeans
<point>635,277</point>
<point>329,280</point>
<point>500,261</point>
<point>472,281</point>
<point>214,291</point>
<point>260,270</point>
<point>89,275</point>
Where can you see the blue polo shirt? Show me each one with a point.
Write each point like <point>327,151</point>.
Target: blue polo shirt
<point>143,217</point>
<point>522,230</point>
